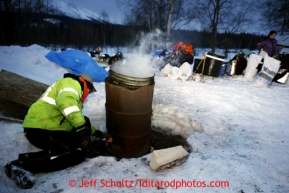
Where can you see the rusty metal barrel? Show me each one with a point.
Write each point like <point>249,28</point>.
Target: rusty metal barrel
<point>128,114</point>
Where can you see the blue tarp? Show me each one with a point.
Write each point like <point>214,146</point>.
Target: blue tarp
<point>79,62</point>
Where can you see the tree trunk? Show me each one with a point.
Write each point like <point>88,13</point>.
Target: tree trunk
<point>17,94</point>
<point>172,2</point>
<point>215,25</point>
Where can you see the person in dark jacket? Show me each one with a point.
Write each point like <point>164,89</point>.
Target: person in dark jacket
<point>55,123</point>
<point>269,44</point>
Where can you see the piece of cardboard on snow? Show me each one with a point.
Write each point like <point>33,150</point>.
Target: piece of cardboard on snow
<point>169,157</point>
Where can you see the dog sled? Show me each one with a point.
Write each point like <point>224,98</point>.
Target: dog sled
<point>279,65</point>
<point>261,68</point>
<point>267,69</point>
<point>209,65</point>
<point>182,53</point>
<point>237,65</point>
<point>283,73</point>
<point>283,56</point>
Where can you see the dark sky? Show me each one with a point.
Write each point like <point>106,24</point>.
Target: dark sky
<point>115,14</point>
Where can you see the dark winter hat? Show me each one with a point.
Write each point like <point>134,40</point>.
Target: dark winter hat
<point>273,32</point>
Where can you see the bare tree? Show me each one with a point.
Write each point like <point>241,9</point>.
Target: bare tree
<point>104,27</point>
<point>275,15</point>
<point>219,16</point>
<point>164,15</point>
<point>170,15</point>
<point>149,13</point>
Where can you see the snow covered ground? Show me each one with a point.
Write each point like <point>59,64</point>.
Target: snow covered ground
<point>238,132</point>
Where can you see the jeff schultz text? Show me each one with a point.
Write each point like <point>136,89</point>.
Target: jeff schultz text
<point>148,183</point>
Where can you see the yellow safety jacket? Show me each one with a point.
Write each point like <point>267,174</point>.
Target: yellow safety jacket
<point>59,108</point>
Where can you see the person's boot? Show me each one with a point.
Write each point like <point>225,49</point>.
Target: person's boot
<point>21,177</point>
<point>8,166</point>
<point>20,171</point>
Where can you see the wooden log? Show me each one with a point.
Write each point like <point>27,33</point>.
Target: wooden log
<point>166,158</point>
<point>18,93</point>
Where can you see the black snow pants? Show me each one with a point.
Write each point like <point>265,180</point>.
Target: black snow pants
<point>60,150</point>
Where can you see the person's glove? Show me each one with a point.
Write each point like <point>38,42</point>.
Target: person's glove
<point>98,134</point>
<point>101,135</point>
<point>84,133</point>
<point>108,137</point>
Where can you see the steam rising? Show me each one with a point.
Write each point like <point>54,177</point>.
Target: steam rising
<point>140,63</point>
<point>136,66</point>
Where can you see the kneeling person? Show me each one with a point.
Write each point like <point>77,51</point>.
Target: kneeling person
<point>55,123</point>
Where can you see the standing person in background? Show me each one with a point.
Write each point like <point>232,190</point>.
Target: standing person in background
<point>269,44</point>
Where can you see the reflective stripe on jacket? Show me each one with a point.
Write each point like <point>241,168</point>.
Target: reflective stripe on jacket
<point>59,107</point>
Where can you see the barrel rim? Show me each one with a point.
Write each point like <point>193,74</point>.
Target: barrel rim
<point>131,77</point>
